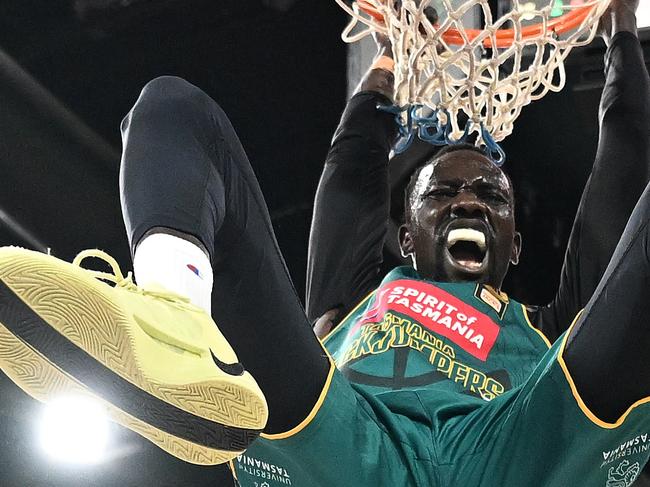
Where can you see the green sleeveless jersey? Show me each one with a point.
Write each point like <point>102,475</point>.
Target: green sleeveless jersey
<point>411,333</point>
<point>447,384</point>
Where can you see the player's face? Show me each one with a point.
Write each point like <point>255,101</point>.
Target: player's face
<point>462,225</point>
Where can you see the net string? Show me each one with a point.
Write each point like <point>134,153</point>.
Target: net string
<point>450,78</point>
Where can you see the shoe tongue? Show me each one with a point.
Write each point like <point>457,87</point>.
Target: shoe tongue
<point>173,319</point>
<point>158,290</point>
<point>175,331</point>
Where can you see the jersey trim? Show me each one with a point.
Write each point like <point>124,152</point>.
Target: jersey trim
<point>231,465</point>
<point>539,332</point>
<point>310,417</point>
<point>338,327</point>
<point>321,398</point>
<point>576,395</point>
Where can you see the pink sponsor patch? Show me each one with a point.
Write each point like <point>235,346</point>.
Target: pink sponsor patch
<point>437,311</point>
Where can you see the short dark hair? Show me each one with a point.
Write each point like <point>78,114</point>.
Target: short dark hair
<point>448,149</point>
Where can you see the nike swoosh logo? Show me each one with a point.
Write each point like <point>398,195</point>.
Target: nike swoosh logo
<point>230,369</point>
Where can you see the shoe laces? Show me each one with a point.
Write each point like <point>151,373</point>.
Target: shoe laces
<point>126,282</point>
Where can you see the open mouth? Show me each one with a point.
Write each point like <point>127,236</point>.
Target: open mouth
<point>467,249</point>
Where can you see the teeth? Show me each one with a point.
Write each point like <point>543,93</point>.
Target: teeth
<point>466,235</point>
<point>470,264</point>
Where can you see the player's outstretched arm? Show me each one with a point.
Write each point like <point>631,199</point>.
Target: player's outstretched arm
<point>351,210</point>
<point>620,172</point>
<point>621,17</point>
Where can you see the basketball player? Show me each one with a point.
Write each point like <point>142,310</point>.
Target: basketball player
<point>441,380</point>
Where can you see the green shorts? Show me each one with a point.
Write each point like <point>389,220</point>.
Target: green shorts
<point>539,434</point>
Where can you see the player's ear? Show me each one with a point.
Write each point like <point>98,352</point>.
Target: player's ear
<point>405,241</point>
<point>516,248</point>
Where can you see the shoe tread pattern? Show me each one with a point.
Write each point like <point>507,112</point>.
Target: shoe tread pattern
<point>84,315</point>
<point>42,380</point>
<point>234,404</point>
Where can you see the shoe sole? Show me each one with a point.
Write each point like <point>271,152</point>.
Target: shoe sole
<point>60,336</point>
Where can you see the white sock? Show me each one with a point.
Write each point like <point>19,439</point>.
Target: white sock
<point>175,264</point>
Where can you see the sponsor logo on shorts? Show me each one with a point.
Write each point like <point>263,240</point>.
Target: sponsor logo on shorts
<point>624,475</point>
<point>437,311</point>
<point>634,446</point>
<point>263,470</point>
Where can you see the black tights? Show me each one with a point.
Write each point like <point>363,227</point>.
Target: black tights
<point>607,350</point>
<point>184,168</point>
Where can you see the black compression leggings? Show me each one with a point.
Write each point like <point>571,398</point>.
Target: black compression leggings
<point>184,168</point>
<point>608,349</point>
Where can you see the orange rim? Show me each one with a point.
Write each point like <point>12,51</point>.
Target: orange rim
<point>504,37</point>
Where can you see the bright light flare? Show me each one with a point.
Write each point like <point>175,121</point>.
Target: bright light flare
<point>74,430</point>
<point>643,14</point>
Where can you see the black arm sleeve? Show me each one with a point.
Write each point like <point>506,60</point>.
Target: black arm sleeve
<point>618,178</point>
<point>351,210</point>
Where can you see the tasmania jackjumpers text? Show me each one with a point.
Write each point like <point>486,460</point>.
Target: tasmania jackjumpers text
<point>437,311</point>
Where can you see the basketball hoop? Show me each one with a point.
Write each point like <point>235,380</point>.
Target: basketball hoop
<point>444,70</point>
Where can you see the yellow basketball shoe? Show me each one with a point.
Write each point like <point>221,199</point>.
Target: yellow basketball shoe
<point>157,363</point>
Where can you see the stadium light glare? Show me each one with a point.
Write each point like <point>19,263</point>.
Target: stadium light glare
<point>643,14</point>
<point>74,430</point>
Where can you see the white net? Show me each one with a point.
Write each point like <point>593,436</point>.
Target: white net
<point>444,69</point>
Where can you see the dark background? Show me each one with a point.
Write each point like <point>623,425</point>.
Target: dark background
<point>70,70</point>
